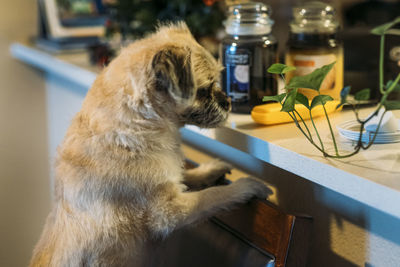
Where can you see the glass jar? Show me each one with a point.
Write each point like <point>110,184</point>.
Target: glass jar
<point>246,53</point>
<point>312,43</point>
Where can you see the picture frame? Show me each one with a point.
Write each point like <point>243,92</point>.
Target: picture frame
<point>72,18</point>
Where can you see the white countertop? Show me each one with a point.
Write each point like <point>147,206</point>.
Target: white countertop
<point>371,177</point>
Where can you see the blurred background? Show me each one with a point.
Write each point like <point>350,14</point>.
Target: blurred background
<point>25,193</point>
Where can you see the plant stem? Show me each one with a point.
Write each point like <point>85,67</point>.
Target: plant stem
<point>356,113</point>
<point>283,78</point>
<point>376,132</point>
<point>305,125</point>
<point>395,82</point>
<point>310,140</point>
<point>331,130</point>
<point>381,103</point>
<point>359,143</point>
<point>381,58</point>
<point>293,116</point>
<point>344,156</point>
<point>316,131</point>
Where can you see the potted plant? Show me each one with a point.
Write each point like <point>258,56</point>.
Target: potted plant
<point>314,80</point>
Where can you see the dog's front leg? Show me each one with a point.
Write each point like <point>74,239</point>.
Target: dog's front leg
<point>205,203</point>
<point>206,174</point>
<point>185,208</point>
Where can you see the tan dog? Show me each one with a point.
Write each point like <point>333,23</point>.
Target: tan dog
<point>120,179</point>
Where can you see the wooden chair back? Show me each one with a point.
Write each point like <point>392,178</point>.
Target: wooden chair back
<point>256,234</point>
<point>263,225</point>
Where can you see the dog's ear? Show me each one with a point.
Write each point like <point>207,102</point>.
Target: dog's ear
<point>173,72</point>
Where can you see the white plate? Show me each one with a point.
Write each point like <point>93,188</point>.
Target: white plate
<point>351,130</point>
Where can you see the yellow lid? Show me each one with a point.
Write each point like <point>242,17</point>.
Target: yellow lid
<point>271,113</point>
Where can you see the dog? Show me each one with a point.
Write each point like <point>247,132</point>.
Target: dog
<point>120,177</point>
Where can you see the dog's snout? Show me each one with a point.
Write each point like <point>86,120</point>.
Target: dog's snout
<point>223,100</point>
<point>226,104</point>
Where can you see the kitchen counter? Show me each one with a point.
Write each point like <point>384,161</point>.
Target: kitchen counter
<point>371,177</point>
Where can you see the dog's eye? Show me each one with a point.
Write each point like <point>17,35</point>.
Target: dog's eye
<point>204,92</point>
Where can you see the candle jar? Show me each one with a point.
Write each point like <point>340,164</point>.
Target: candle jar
<point>246,53</point>
<point>312,43</point>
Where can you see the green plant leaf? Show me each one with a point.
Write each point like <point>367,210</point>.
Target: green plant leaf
<point>290,101</point>
<point>302,99</point>
<point>276,68</point>
<point>390,83</point>
<point>311,81</point>
<point>288,69</point>
<point>364,94</point>
<point>393,32</point>
<point>280,68</point>
<point>275,98</point>
<point>382,29</point>
<point>391,105</point>
<point>320,100</point>
<point>343,96</point>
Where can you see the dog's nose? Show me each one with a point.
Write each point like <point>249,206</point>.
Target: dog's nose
<point>227,104</point>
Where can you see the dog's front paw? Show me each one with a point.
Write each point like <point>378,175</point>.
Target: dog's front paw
<point>207,174</point>
<point>213,172</point>
<point>251,186</point>
<point>217,167</point>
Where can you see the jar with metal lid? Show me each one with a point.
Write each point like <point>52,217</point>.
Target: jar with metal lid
<point>246,53</point>
<point>313,42</point>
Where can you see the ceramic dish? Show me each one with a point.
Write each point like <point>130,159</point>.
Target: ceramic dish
<point>351,130</point>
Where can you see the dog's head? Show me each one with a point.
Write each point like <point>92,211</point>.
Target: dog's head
<point>186,79</point>
<point>166,76</point>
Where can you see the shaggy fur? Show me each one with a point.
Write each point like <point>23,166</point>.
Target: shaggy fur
<point>120,180</point>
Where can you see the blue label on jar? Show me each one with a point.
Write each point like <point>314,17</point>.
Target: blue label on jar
<point>237,62</point>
